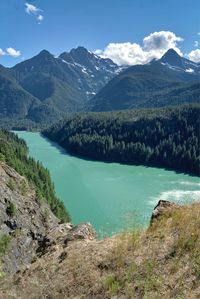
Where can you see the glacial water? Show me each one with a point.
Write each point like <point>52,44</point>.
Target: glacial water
<point>110,196</point>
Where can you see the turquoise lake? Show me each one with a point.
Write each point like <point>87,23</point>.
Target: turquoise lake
<point>110,196</point>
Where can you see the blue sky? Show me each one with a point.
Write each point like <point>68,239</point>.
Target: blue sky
<point>114,27</point>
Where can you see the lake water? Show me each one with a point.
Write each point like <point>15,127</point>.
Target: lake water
<point>109,196</point>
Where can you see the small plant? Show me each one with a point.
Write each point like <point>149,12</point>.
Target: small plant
<point>23,187</point>
<point>2,157</point>
<point>111,285</point>
<point>11,209</point>
<point>16,233</point>
<point>46,215</point>
<point>39,197</point>
<point>11,184</point>
<point>4,242</point>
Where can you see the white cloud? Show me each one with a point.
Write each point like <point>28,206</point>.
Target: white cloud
<point>162,41</point>
<point>123,53</point>
<point>198,33</point>
<point>40,18</point>
<point>194,55</point>
<point>196,43</point>
<point>32,9</point>
<point>2,52</point>
<point>154,46</point>
<point>12,52</point>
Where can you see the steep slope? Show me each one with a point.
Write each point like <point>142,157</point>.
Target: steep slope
<point>160,262</point>
<point>14,100</point>
<point>63,84</point>
<point>91,71</point>
<point>24,220</point>
<point>172,80</point>
<point>47,78</point>
<point>165,137</point>
<point>178,63</point>
<point>14,152</point>
<point>27,224</point>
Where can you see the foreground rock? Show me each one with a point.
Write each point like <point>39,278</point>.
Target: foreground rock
<point>161,208</point>
<point>62,261</point>
<point>29,224</point>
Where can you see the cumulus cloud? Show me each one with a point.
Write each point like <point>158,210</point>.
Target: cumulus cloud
<point>162,41</point>
<point>32,9</point>
<point>154,46</point>
<point>196,43</point>
<point>194,55</point>
<point>2,52</point>
<point>12,52</point>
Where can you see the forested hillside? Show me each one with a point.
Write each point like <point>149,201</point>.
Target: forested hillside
<point>167,137</point>
<point>14,152</point>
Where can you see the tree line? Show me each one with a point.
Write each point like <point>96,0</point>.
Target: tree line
<point>166,137</point>
<point>14,152</point>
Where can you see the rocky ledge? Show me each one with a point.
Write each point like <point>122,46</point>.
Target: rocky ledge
<point>27,223</point>
<point>161,208</point>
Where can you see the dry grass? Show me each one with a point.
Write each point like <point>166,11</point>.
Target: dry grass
<point>161,262</point>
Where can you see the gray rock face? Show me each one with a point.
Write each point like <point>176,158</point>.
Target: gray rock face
<point>91,71</point>
<point>160,209</point>
<point>28,224</point>
<point>32,228</point>
<point>64,234</point>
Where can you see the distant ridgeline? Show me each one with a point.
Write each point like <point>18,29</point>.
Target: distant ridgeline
<point>166,137</point>
<point>42,90</point>
<point>14,152</point>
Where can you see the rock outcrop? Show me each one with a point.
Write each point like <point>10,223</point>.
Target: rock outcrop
<point>161,208</point>
<point>29,223</point>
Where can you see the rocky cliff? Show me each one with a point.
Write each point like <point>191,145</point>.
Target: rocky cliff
<point>45,259</point>
<point>27,225</point>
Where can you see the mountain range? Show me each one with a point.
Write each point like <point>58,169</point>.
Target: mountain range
<point>171,80</point>
<point>45,88</point>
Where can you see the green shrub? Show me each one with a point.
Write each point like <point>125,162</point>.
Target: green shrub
<point>111,285</point>
<point>11,184</point>
<point>16,156</point>
<point>4,242</point>
<point>24,187</point>
<point>11,209</point>
<point>2,157</point>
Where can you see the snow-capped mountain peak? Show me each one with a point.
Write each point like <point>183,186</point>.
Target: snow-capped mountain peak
<point>174,61</point>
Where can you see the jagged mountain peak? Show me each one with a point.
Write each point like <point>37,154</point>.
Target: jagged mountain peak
<point>59,84</point>
<point>171,52</point>
<point>86,58</point>
<point>80,50</point>
<point>37,61</point>
<point>82,56</point>
<point>173,58</point>
<point>44,55</point>
<point>76,52</point>
<point>44,52</point>
<point>89,62</point>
